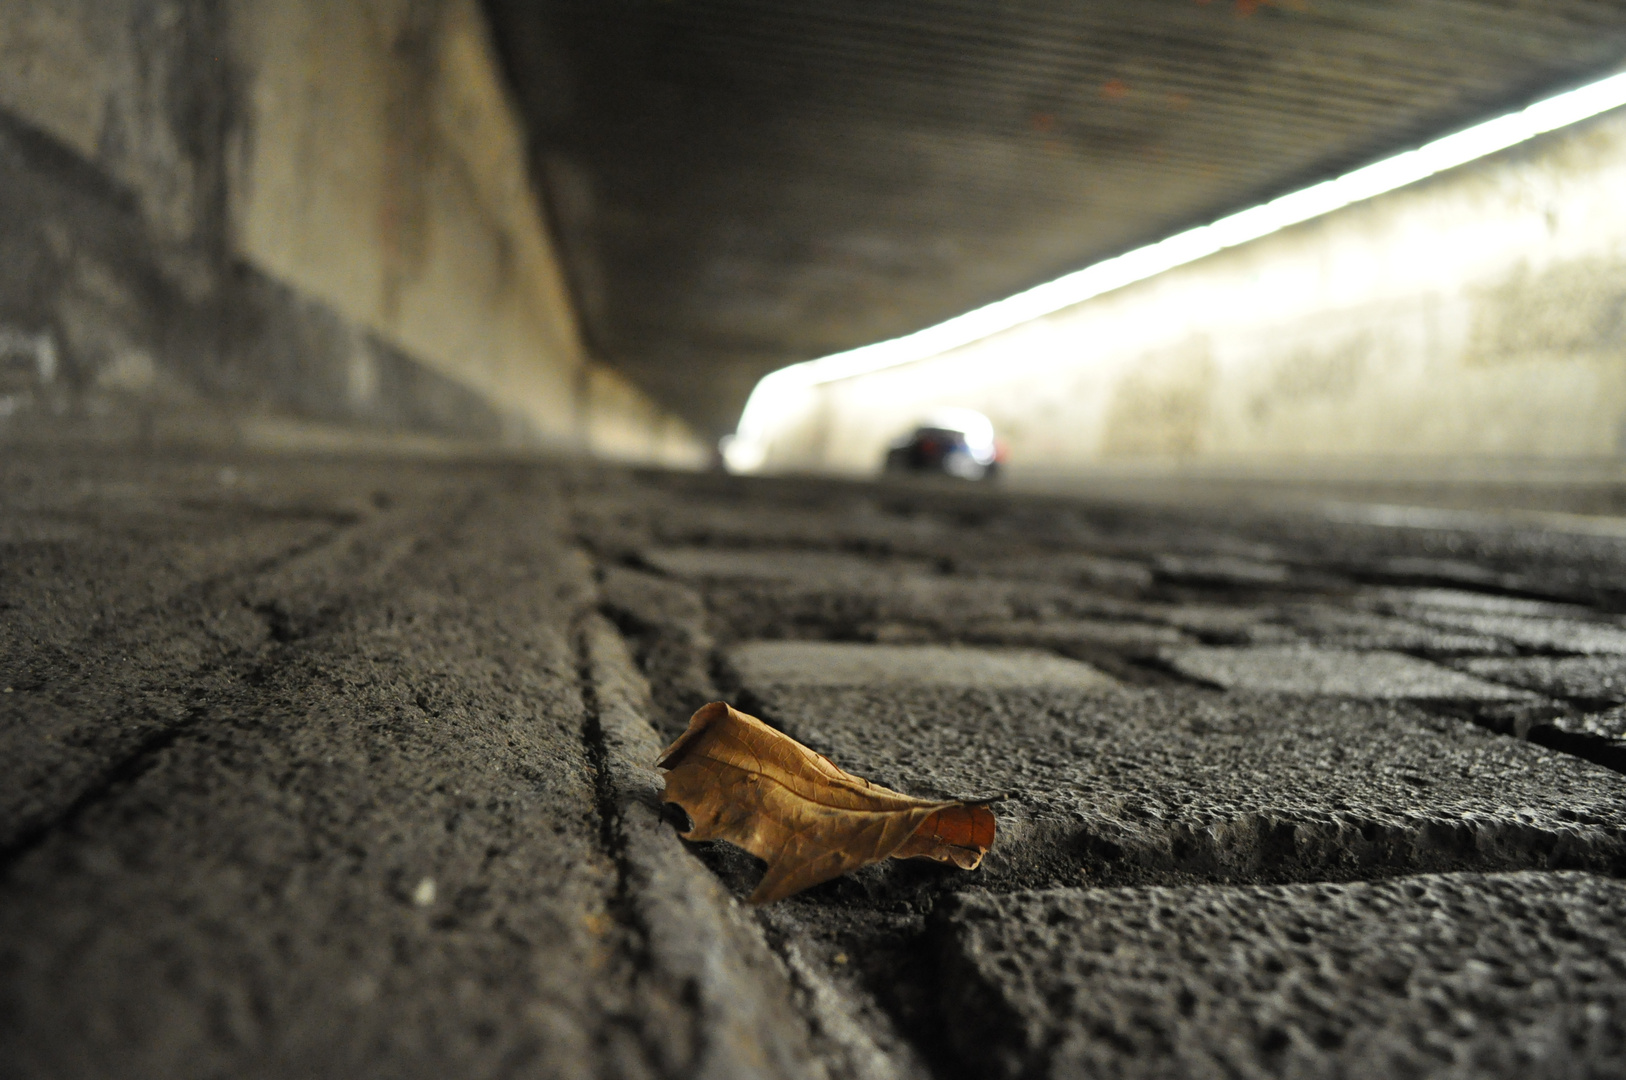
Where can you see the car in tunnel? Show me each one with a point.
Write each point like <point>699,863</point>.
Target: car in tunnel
<point>953,442</point>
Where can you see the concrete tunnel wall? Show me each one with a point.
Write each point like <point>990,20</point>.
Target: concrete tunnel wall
<point>284,221</point>
<point>1470,321</point>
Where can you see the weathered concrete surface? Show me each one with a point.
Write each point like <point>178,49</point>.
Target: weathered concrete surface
<point>1089,570</point>
<point>267,222</point>
<point>1364,630</point>
<point>1168,785</point>
<point>1529,632</point>
<point>344,767</point>
<point>95,674</point>
<point>1452,975</point>
<point>1289,669</point>
<point>376,854</point>
<point>358,828</point>
<point>1595,679</point>
<point>1081,638</point>
<point>1599,737</point>
<point>820,568</point>
<point>813,664</point>
<point>1156,782</point>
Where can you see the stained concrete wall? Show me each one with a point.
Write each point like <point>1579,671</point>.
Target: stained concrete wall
<point>223,219</point>
<point>1478,316</point>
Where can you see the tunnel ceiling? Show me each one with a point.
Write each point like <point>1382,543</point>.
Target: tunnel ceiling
<point>741,184</point>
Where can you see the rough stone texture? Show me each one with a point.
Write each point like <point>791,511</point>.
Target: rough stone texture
<point>826,569</point>
<point>1597,679</point>
<point>1606,725</point>
<point>1225,625</point>
<point>1169,785</point>
<point>808,663</point>
<point>936,606</point>
<point>1331,672</point>
<point>300,780</point>
<point>378,856</point>
<point>1221,570</point>
<point>1081,637</point>
<point>666,625</point>
<point>1340,628</point>
<point>1599,737</point>
<point>1092,571</point>
<point>813,515</point>
<point>1452,975</point>
<point>1439,600</point>
<point>1534,632</point>
<point>912,589</point>
<point>344,767</point>
<point>182,588</point>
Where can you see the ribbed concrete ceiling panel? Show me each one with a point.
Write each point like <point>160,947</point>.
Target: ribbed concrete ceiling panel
<point>741,184</point>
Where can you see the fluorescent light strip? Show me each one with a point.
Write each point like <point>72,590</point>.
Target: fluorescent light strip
<point>772,395</point>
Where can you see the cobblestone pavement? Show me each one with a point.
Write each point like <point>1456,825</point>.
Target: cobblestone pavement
<point>344,768</point>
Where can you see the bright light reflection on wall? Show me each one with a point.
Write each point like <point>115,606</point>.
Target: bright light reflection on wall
<point>779,395</point>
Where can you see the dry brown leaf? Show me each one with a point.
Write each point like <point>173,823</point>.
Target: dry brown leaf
<point>742,781</point>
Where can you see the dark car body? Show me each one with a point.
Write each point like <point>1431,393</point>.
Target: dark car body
<point>954,442</point>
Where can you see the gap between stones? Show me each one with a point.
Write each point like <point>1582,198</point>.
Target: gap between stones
<point>235,580</point>
<point>633,944</point>
<point>893,964</point>
<point>749,992</point>
<point>895,984</point>
<point>1531,725</point>
<point>115,780</point>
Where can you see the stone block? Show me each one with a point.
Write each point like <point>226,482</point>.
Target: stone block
<point>1532,624</point>
<point>1066,567</point>
<point>779,565</point>
<point>1584,678</point>
<point>1135,639</point>
<point>1537,632</point>
<point>1346,629</point>
<point>1447,975</point>
<point>1332,673</point>
<point>825,663</point>
<point>1222,570</point>
<point>1223,625</point>
<point>1169,784</point>
<point>1136,786</point>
